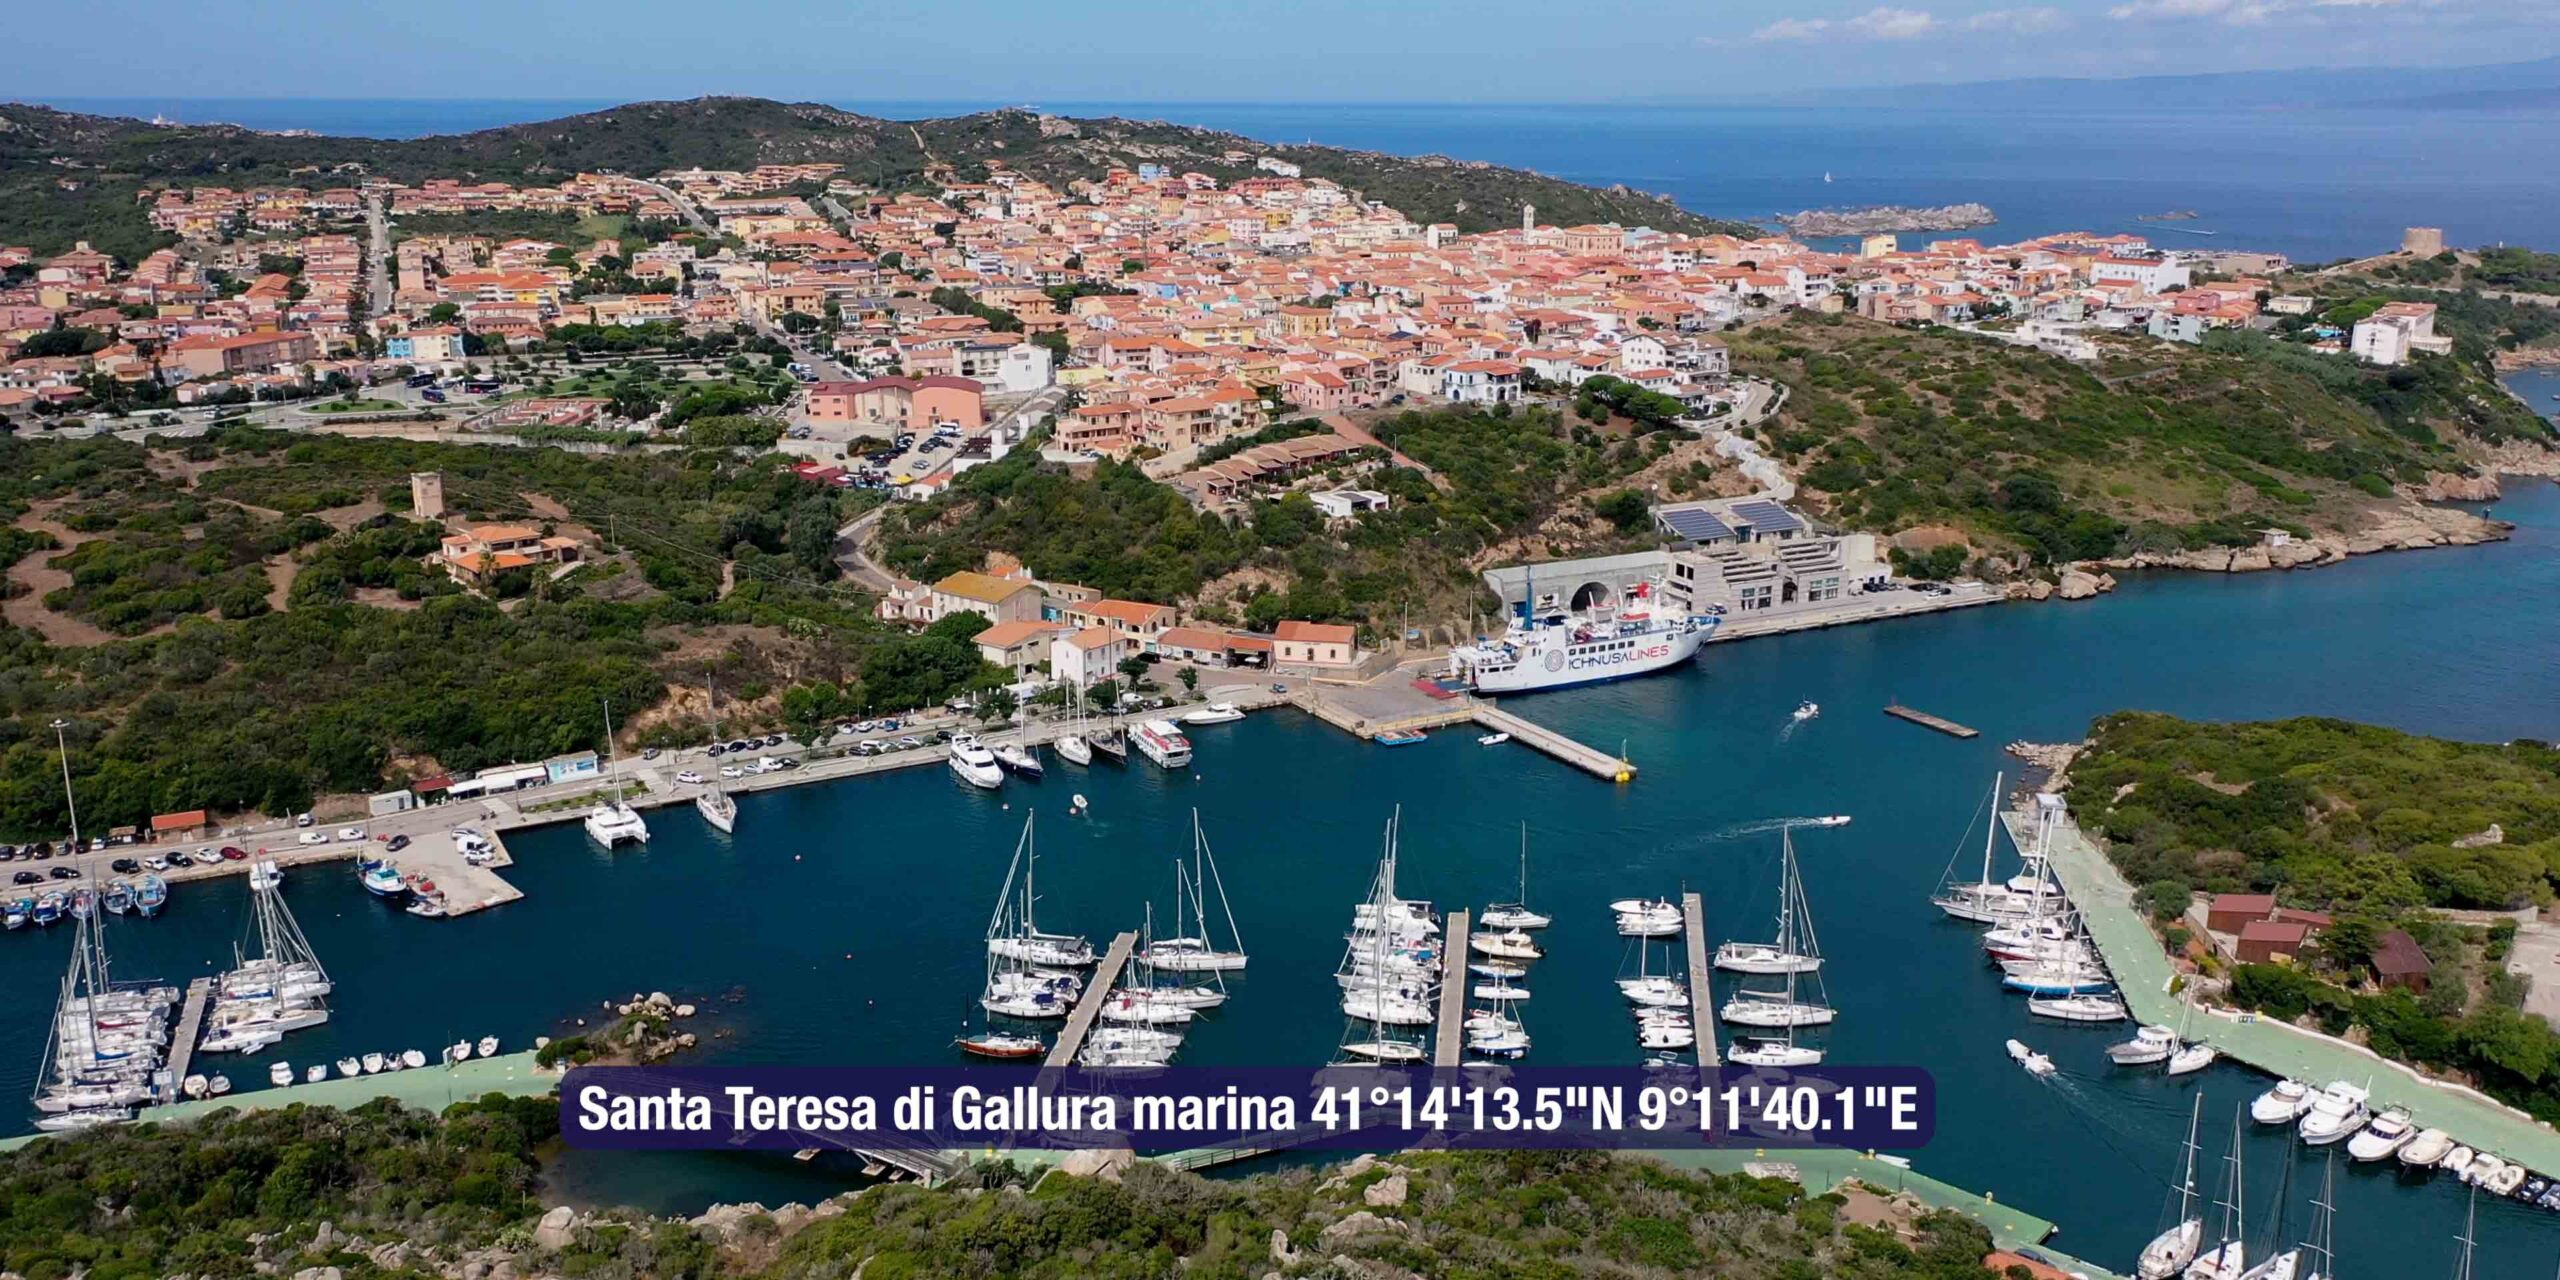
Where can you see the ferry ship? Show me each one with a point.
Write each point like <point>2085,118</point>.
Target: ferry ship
<point>1555,648</point>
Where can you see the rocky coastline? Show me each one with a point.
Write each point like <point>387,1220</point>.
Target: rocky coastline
<point>1858,222</point>
<point>2410,528</point>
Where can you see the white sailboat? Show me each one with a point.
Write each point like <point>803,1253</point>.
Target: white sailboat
<point>274,986</point>
<point>1516,914</point>
<point>2228,1258</point>
<point>1016,987</point>
<point>615,822</point>
<point>104,1052</point>
<point>1997,901</point>
<point>1072,747</point>
<point>1193,951</point>
<point>714,803</point>
<point>2171,1250</point>
<point>1018,935</point>
<point>1797,949</point>
<point>1376,924</point>
<point>1777,957</point>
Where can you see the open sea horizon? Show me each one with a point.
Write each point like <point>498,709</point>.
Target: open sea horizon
<point>2314,185</point>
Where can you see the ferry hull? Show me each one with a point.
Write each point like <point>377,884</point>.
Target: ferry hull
<point>1557,665</point>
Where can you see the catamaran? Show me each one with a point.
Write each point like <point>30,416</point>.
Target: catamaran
<point>1017,936</point>
<point>615,822</point>
<point>714,802</point>
<point>1796,941</point>
<point>1516,914</point>
<point>1371,993</point>
<point>1194,952</point>
<point>2171,1250</point>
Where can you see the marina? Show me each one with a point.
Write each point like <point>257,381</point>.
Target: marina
<point>821,931</point>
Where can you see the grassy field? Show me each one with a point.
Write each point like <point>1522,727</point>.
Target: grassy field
<point>357,406</point>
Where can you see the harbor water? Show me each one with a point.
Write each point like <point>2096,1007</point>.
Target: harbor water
<point>843,923</point>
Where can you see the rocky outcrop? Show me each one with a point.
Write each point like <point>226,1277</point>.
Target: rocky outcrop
<point>1356,1225</point>
<point>1858,222</point>
<point>2407,528</point>
<point>2080,584</point>
<point>1387,1192</point>
<point>557,1230</point>
<point>1108,1165</point>
<point>2446,486</point>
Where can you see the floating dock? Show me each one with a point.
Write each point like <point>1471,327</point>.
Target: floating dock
<point>1591,760</point>
<point>182,1048</point>
<point>1080,1022</point>
<point>1451,1042</point>
<point>1702,994</point>
<point>1927,721</point>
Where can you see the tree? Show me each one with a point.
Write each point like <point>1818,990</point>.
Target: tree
<point>1134,670</point>
<point>997,704</point>
<point>1190,679</point>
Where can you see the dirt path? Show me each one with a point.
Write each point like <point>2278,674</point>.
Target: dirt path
<point>36,577</point>
<point>280,575</point>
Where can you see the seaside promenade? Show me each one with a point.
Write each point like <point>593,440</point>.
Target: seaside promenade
<point>2142,972</point>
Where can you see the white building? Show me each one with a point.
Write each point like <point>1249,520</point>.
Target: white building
<point>2152,275</point>
<point>1088,656</point>
<point>2392,334</point>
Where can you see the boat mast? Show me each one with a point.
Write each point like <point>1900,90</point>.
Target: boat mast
<point>1209,861</point>
<point>2234,1218</point>
<point>612,762</point>
<point>2470,1219</point>
<point>1991,827</point>
<point>2324,1214</point>
<point>2187,1184</point>
<point>711,691</point>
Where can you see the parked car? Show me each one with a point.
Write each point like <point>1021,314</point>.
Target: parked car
<point>25,877</point>
<point>396,843</point>
<point>910,743</point>
<point>650,754</point>
<point>124,866</point>
<point>313,837</point>
<point>351,833</point>
<point>718,749</point>
<point>890,726</point>
<point>65,873</point>
<point>234,853</point>
<point>302,821</point>
<point>689,778</point>
<point>180,858</point>
<point>732,771</point>
<point>156,863</point>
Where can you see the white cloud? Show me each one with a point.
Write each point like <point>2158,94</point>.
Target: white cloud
<point>1892,24</point>
<point>2019,21</point>
<point>1879,23</point>
<point>1793,29</point>
<point>2238,13</point>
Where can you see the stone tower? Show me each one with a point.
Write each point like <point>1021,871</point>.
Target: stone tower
<point>1528,218</point>
<point>426,495</point>
<point>2422,242</point>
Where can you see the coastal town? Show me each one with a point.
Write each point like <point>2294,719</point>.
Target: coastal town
<point>546,536</point>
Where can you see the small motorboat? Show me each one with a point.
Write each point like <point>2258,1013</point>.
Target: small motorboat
<point>1010,1048</point>
<point>118,898</point>
<point>2458,1161</point>
<point>2149,1046</point>
<point>2427,1149</point>
<point>2036,1064</point>
<point>2505,1181</point>
<point>2283,1104</point>
<point>372,1063</point>
<point>1493,739</point>
<point>194,1086</point>
<point>412,1058</point>
<point>458,1051</point>
<point>488,1046</point>
<point>1659,1036</point>
<point>1509,1045</point>
<point>1400,738</point>
<point>218,1086</point>
<point>2382,1137</point>
<point>1806,711</point>
<point>1499,990</point>
<point>1827,820</point>
<point>350,1067</point>
<point>280,1074</point>
<point>2338,1111</point>
<point>2191,1058</point>
<point>315,1073</point>
<point>382,880</point>
<point>2483,1167</point>
<point>1214,713</point>
<point>1497,969</point>
<point>149,895</point>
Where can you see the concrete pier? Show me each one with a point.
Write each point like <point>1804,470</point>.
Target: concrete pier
<point>1450,1044</point>
<point>182,1046</point>
<point>1925,720</point>
<point>1702,994</point>
<point>1080,1022</point>
<point>1589,759</point>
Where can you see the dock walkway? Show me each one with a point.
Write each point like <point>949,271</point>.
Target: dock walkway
<point>182,1047</point>
<point>425,1088</point>
<point>1080,1022</point>
<point>1925,720</point>
<point>1702,993</point>
<point>1451,1042</point>
<point>2142,973</point>
<point>1591,760</point>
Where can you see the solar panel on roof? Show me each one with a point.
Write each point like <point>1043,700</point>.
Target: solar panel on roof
<point>1696,525</point>
<point>1766,517</point>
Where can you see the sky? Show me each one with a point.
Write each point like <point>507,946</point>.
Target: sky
<point>1034,51</point>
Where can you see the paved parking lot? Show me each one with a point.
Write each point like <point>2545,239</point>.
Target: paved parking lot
<point>2537,956</point>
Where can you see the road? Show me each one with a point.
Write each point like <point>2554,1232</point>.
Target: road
<point>379,277</point>
<point>824,364</point>
<point>854,558</point>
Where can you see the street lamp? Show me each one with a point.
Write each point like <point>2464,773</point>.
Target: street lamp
<point>63,745</point>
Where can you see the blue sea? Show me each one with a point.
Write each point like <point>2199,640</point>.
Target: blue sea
<point>2315,185</point>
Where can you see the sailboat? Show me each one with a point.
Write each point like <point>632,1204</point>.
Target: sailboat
<point>2228,1259</point>
<point>1516,914</point>
<point>106,1041</point>
<point>1072,747</point>
<point>1112,742</point>
<point>2288,1264</point>
<point>1022,939</point>
<point>1194,952</point>
<point>2470,1225</point>
<point>275,987</point>
<point>1373,993</point>
<point>2171,1250</point>
<point>1779,956</point>
<point>614,822</point>
<point>1992,901</point>
<point>1016,987</point>
<point>1799,957</point>
<point>714,803</point>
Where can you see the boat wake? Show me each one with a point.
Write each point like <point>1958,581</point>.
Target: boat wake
<point>1765,826</point>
